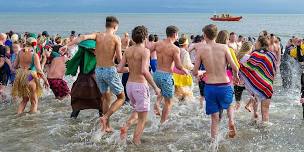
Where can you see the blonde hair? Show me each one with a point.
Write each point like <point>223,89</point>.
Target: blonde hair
<point>245,49</point>
<point>222,37</point>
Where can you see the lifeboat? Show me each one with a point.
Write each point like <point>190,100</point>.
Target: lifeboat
<point>237,18</point>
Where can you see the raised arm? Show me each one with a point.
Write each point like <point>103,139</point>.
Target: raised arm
<point>177,61</point>
<point>82,38</point>
<point>145,71</point>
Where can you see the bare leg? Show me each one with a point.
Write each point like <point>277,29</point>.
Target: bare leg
<point>142,117</point>
<point>22,105</point>
<point>124,130</point>
<point>237,105</point>
<point>33,98</point>
<point>114,107</point>
<point>202,99</point>
<point>214,125</point>
<point>255,110</point>
<point>248,106</point>
<point>166,110</point>
<point>231,125</point>
<point>265,110</point>
<point>106,101</point>
<point>157,105</point>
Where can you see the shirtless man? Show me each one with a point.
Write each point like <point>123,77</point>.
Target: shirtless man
<point>137,57</point>
<point>233,42</point>
<point>168,55</point>
<point>125,42</point>
<point>149,45</point>
<point>275,48</point>
<point>55,75</point>
<point>218,90</point>
<point>108,47</point>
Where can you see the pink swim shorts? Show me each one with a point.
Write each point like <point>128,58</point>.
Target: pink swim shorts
<point>139,96</point>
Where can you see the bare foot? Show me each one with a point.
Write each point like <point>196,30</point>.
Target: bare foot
<point>237,106</point>
<point>123,133</point>
<point>232,131</point>
<point>136,142</point>
<point>109,129</point>
<point>156,109</point>
<point>248,107</point>
<point>103,123</point>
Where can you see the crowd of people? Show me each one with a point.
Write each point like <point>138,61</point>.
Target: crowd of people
<point>223,65</point>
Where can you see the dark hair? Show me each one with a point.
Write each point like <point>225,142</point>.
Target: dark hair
<point>171,30</point>
<point>264,41</point>
<point>139,34</point>
<point>151,38</point>
<point>155,38</point>
<point>240,36</point>
<point>111,21</point>
<point>73,33</point>
<point>192,37</point>
<point>197,39</point>
<point>232,33</point>
<point>58,40</point>
<point>210,31</point>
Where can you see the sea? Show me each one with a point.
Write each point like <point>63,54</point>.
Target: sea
<point>188,128</point>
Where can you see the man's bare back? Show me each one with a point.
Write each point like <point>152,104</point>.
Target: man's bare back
<point>134,57</point>
<point>214,57</point>
<point>106,46</point>
<point>165,55</point>
<point>57,68</point>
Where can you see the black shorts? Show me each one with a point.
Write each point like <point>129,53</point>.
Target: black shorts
<point>201,85</point>
<point>238,91</point>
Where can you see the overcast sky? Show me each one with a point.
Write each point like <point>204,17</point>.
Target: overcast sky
<point>154,6</point>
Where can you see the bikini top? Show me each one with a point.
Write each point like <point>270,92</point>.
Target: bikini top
<point>32,65</point>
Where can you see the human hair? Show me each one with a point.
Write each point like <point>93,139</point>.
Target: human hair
<point>171,30</point>
<point>232,33</point>
<point>192,37</point>
<point>245,49</point>
<point>197,39</point>
<point>155,38</point>
<point>264,33</point>
<point>263,42</point>
<point>58,40</point>
<point>151,38</point>
<point>139,34</point>
<point>222,37</point>
<point>111,21</point>
<point>210,31</point>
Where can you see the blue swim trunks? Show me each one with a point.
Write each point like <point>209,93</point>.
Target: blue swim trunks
<point>153,64</point>
<point>218,97</point>
<point>107,77</point>
<point>164,81</point>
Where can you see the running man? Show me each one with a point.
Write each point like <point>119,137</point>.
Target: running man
<point>168,55</point>
<point>137,57</point>
<point>218,90</point>
<point>108,48</point>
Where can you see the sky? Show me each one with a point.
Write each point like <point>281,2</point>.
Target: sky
<point>155,6</point>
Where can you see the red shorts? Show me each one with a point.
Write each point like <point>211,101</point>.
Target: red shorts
<point>59,87</point>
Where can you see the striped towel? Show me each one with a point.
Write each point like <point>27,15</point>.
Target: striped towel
<point>258,73</point>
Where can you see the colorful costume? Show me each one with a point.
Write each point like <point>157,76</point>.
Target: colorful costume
<point>258,73</point>
<point>23,77</point>
<point>84,93</point>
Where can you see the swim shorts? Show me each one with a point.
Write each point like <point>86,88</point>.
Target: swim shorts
<point>139,96</point>
<point>164,81</point>
<point>238,91</point>
<point>218,97</point>
<point>107,77</point>
<point>59,87</point>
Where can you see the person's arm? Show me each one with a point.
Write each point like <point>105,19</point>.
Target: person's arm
<point>197,64</point>
<point>177,61</point>
<point>78,40</point>
<point>191,47</point>
<point>145,71</point>
<point>121,66</point>
<point>187,61</point>
<point>39,70</point>
<point>118,50</point>
<point>234,67</point>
